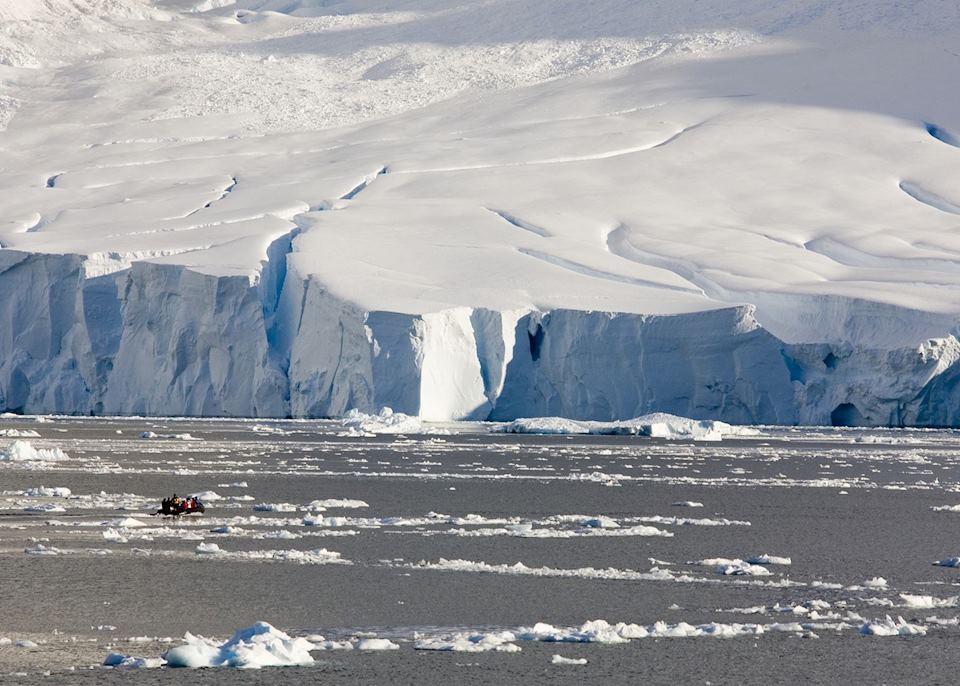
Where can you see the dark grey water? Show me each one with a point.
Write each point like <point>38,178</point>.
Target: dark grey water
<point>844,510</point>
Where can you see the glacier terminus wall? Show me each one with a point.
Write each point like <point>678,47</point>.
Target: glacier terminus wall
<point>165,340</point>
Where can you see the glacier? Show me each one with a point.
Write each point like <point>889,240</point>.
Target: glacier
<point>481,211</point>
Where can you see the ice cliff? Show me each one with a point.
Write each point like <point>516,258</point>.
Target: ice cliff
<point>164,339</point>
<point>504,211</point>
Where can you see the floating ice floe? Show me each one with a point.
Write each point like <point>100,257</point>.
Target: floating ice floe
<point>733,567</point>
<point>889,627</point>
<point>43,550</point>
<point>320,643</point>
<point>769,560</point>
<point>319,556</point>
<point>561,660</point>
<point>687,503</point>
<point>206,496</point>
<point>656,425</point>
<point>45,508</point>
<point>45,492</point>
<point>266,429</point>
<point>599,522</point>
<point>948,562</point>
<point>275,507</point>
<point>470,642</point>
<point>115,536</point>
<point>927,602</point>
<point>18,433</point>
<point>610,573</point>
<point>281,534</point>
<point>385,422</point>
<point>375,522</point>
<point>689,521</point>
<point>169,437</point>
<point>601,631</point>
<point>23,451</point>
<point>528,530</point>
<point>336,503</point>
<point>258,646</point>
<point>131,662</point>
<point>875,582</point>
<point>376,644</point>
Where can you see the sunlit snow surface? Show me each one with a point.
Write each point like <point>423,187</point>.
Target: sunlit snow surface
<point>464,540</point>
<point>299,208</point>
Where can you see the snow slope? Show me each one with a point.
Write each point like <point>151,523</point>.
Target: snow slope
<point>495,209</point>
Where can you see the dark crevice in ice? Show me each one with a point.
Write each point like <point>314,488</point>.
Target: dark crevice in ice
<point>356,190</point>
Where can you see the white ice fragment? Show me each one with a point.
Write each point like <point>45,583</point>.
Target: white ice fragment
<point>43,550</point>
<point>875,582</point>
<point>258,646</point>
<point>889,627</point>
<point>467,642</point>
<point>168,437</point>
<point>769,560</point>
<point>206,496</point>
<point>282,534</point>
<point>151,435</point>
<point>600,522</point>
<point>561,660</point>
<point>656,425</point>
<point>733,567</point>
<point>385,422</point>
<point>131,662</point>
<point>45,508</point>
<point>377,644</point>
<point>18,433</point>
<point>208,549</point>
<point>926,602</point>
<point>334,503</point>
<point>23,451</point>
<point>45,492</point>
<point>687,503</point>
<point>114,536</point>
<point>275,507</point>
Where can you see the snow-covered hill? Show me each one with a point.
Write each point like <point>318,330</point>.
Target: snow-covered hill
<point>731,210</point>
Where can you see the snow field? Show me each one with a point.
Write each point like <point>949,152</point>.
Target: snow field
<point>422,253</point>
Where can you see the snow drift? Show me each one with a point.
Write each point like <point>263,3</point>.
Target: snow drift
<point>508,210</point>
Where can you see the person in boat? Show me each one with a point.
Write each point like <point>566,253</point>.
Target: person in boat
<point>166,507</point>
